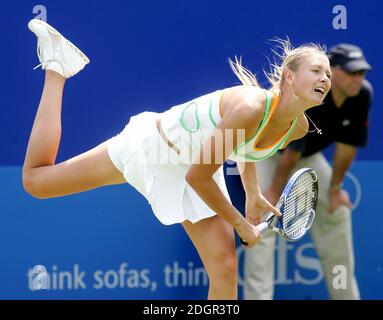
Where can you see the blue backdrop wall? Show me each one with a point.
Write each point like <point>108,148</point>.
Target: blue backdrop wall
<point>150,55</point>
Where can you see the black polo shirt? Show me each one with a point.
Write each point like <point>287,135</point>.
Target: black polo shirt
<point>347,124</point>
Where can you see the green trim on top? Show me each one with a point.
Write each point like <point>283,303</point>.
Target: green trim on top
<point>196,118</point>
<point>288,134</point>
<point>211,114</point>
<point>263,122</point>
<point>277,146</point>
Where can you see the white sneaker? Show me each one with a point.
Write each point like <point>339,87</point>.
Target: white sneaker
<point>55,52</point>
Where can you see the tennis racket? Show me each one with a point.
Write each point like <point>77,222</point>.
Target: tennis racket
<point>297,205</point>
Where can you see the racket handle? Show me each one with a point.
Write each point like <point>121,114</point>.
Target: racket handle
<point>262,228</point>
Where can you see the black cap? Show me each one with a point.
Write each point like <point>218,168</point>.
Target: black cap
<point>349,57</point>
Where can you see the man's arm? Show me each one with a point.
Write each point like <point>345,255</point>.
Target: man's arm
<point>343,157</point>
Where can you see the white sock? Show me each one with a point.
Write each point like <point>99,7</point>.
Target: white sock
<point>55,66</point>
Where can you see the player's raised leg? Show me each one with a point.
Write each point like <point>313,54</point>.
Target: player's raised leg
<point>41,176</point>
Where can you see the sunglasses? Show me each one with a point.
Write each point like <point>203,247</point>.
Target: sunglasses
<point>355,73</point>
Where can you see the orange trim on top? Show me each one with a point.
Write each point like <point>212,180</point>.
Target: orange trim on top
<point>272,109</point>
<point>274,143</point>
<point>220,103</point>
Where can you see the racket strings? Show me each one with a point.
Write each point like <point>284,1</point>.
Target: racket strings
<point>298,212</point>
<point>299,202</point>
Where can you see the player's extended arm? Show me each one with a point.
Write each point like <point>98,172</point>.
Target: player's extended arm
<point>242,114</point>
<point>248,174</point>
<point>256,204</point>
<point>213,153</point>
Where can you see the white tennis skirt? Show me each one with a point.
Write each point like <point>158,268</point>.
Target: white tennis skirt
<point>156,171</point>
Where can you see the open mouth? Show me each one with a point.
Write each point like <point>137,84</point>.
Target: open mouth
<point>321,91</point>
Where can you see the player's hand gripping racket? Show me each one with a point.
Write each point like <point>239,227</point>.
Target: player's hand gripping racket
<point>297,205</point>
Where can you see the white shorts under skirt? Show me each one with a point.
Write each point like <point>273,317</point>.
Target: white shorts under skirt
<point>155,170</point>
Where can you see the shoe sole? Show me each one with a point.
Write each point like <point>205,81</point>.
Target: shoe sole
<point>83,56</point>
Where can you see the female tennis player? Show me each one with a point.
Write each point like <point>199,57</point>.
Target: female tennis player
<point>175,158</point>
